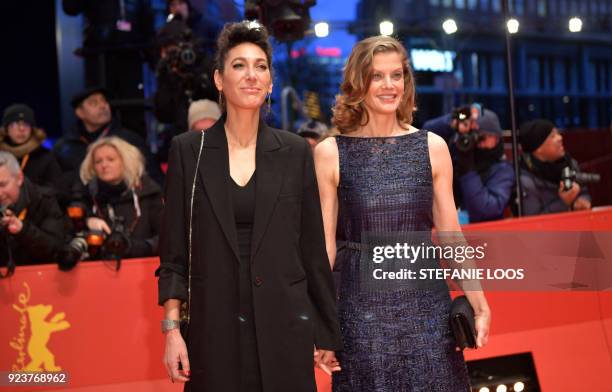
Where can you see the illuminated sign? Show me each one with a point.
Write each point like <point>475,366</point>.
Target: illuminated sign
<point>432,60</point>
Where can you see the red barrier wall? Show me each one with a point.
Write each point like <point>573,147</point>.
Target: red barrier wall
<point>108,336</point>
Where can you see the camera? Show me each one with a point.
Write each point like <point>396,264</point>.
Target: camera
<point>84,245</point>
<point>463,113</point>
<point>91,244</point>
<point>570,175</point>
<point>465,141</point>
<point>118,242</point>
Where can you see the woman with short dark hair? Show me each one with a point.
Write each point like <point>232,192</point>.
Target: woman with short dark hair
<point>242,242</point>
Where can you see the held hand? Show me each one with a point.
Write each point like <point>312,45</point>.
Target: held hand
<point>326,361</point>
<point>13,224</point>
<point>581,204</point>
<point>570,195</point>
<point>483,322</point>
<point>98,224</point>
<point>176,352</point>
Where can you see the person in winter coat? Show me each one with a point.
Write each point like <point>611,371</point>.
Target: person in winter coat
<point>119,196</point>
<point>542,163</point>
<point>483,179</point>
<point>96,121</point>
<point>20,136</point>
<point>31,223</point>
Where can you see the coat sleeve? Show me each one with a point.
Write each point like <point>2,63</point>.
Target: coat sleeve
<point>487,200</point>
<point>44,238</point>
<point>145,247</point>
<point>172,283</point>
<point>316,264</point>
<point>532,203</point>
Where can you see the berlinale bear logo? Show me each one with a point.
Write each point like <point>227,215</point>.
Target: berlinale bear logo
<point>41,358</point>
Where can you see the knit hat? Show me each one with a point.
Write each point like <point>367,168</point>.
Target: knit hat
<point>533,133</point>
<point>201,109</point>
<point>18,112</point>
<point>489,122</point>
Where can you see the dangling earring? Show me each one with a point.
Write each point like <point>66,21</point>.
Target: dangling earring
<point>269,102</point>
<point>221,99</point>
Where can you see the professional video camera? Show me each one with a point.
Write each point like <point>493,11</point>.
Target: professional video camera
<point>569,175</point>
<point>184,60</point>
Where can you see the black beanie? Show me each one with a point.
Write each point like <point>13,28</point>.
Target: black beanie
<point>18,112</point>
<point>533,133</point>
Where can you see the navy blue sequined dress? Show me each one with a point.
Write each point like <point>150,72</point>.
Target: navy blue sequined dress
<point>399,340</point>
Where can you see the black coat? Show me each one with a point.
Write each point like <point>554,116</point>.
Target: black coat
<point>293,292</point>
<point>43,228</point>
<point>42,169</point>
<point>39,164</point>
<point>144,237</point>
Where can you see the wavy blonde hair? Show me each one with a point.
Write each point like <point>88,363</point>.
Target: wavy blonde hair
<point>349,111</point>
<point>131,157</point>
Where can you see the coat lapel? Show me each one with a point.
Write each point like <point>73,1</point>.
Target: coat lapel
<point>270,159</point>
<point>214,174</point>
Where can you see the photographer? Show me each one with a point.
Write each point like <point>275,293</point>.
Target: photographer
<point>32,224</point>
<point>483,180</point>
<point>120,200</point>
<point>182,75</point>
<point>542,164</point>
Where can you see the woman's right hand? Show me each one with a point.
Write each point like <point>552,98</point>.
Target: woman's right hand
<point>176,352</point>
<point>98,224</point>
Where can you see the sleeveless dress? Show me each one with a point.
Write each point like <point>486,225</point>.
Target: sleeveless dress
<point>394,340</point>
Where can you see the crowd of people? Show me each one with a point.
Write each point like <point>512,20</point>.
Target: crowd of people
<point>74,174</point>
<point>101,174</point>
<point>256,213</point>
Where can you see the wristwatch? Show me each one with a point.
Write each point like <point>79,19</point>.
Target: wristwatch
<point>167,325</point>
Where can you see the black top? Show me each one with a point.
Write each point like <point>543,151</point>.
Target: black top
<point>243,200</point>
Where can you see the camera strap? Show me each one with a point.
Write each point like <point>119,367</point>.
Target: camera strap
<point>111,211</point>
<point>10,264</point>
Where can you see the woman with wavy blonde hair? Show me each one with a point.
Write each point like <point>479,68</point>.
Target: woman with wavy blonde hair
<point>116,190</point>
<point>381,175</point>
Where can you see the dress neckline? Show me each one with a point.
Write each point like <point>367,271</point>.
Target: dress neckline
<point>379,137</point>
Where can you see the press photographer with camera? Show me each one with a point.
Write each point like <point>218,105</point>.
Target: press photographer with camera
<point>122,204</point>
<point>31,224</point>
<point>483,179</point>
<point>550,178</point>
<point>183,75</point>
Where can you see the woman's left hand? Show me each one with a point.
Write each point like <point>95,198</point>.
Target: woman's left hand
<point>326,361</point>
<point>483,322</point>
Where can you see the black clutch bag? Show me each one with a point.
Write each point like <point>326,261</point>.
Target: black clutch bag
<point>462,322</point>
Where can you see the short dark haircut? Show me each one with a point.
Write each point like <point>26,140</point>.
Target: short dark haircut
<point>236,33</point>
